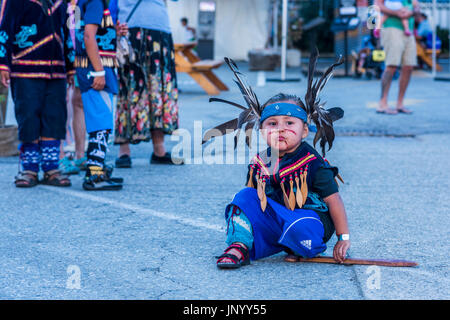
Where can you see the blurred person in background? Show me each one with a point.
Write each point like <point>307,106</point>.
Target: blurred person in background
<point>189,32</point>
<point>95,61</point>
<point>400,49</point>
<point>147,107</point>
<point>67,164</point>
<point>34,61</point>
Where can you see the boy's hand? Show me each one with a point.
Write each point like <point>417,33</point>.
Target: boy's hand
<point>5,78</point>
<point>340,250</point>
<point>99,83</point>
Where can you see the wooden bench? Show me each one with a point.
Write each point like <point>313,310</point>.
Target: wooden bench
<point>426,55</point>
<point>200,70</point>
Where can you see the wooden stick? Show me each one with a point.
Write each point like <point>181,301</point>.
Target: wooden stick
<point>351,261</point>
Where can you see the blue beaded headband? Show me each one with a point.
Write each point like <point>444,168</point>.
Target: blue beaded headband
<point>285,109</point>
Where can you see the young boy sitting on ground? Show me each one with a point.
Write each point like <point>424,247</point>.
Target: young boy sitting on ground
<point>291,202</point>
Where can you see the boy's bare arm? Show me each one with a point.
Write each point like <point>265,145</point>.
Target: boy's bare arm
<point>339,217</point>
<point>90,42</point>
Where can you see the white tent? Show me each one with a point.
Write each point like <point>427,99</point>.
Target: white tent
<point>240,26</point>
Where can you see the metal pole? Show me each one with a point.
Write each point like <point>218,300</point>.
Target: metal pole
<point>275,24</point>
<point>346,51</point>
<point>284,41</point>
<point>434,40</point>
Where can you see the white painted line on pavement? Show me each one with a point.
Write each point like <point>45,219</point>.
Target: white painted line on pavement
<point>131,207</point>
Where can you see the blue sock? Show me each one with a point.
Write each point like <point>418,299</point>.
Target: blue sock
<point>30,156</point>
<point>50,154</point>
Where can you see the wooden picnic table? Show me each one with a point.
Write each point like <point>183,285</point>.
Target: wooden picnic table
<point>187,61</point>
<point>426,55</point>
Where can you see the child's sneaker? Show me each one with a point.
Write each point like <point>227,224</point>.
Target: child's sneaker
<point>67,166</point>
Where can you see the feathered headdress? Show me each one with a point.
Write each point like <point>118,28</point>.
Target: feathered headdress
<point>250,116</point>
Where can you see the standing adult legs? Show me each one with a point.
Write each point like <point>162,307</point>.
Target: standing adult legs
<point>386,81</point>
<point>405,76</point>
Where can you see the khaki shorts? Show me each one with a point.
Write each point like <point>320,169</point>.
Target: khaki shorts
<point>399,49</point>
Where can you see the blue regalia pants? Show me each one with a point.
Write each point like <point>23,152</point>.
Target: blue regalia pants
<point>275,229</point>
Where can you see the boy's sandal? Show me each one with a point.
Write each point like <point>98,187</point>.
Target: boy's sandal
<point>26,179</point>
<point>235,261</point>
<point>56,178</point>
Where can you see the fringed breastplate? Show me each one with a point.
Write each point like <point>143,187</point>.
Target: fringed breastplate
<point>106,41</point>
<point>289,181</point>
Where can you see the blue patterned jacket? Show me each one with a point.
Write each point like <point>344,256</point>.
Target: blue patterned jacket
<point>34,39</point>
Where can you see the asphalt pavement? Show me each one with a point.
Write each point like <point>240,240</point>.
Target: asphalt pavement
<point>157,238</point>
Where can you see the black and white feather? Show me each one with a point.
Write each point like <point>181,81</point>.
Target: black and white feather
<point>322,118</point>
<point>249,115</point>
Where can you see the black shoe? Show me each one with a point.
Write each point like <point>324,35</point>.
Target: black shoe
<point>166,159</point>
<point>109,170</point>
<point>123,162</point>
<point>100,183</point>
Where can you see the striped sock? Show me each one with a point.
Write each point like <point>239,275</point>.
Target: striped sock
<point>30,156</point>
<point>50,154</point>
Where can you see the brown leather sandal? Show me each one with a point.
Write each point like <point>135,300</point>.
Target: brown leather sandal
<point>26,179</point>
<point>56,178</point>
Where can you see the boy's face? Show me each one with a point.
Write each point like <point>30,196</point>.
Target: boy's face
<point>284,133</point>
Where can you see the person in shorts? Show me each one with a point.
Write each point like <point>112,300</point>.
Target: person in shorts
<point>400,49</point>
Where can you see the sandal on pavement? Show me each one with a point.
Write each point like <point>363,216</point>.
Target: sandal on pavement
<point>387,111</point>
<point>56,178</point>
<point>26,179</point>
<point>404,110</point>
<point>100,182</point>
<point>236,262</point>
<point>108,171</point>
<point>67,166</point>
<point>81,163</point>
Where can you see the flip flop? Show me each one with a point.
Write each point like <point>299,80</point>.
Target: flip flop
<point>404,110</point>
<point>387,111</point>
